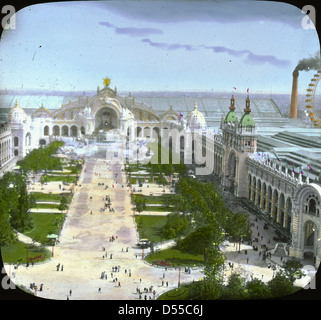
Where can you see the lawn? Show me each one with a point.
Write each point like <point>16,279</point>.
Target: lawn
<point>159,209</point>
<point>155,199</point>
<point>181,293</point>
<point>44,224</point>
<point>175,258</point>
<point>39,196</point>
<point>18,252</point>
<point>66,178</point>
<point>151,227</point>
<point>46,205</point>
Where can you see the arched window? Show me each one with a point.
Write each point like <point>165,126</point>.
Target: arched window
<point>310,230</point>
<point>15,141</point>
<point>56,131</point>
<point>46,131</point>
<point>74,131</point>
<point>312,207</point>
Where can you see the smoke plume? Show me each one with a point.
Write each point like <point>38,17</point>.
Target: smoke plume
<point>309,64</point>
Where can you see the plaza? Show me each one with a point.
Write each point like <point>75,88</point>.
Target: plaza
<point>97,257</point>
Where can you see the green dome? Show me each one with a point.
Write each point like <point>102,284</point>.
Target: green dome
<point>231,117</point>
<point>247,120</point>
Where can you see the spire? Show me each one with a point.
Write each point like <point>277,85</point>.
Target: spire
<point>232,106</point>
<point>247,105</point>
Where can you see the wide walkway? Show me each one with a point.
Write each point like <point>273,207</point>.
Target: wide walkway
<point>91,266</point>
<point>85,253</point>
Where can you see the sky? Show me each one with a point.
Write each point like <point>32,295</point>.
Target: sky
<point>158,46</point>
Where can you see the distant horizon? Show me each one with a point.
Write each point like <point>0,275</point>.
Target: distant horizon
<point>158,46</point>
<point>120,92</point>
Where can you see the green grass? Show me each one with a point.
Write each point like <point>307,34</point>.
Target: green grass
<point>181,293</point>
<point>155,199</point>
<point>69,179</point>
<point>151,227</point>
<point>44,224</point>
<point>174,257</point>
<point>19,252</point>
<point>159,209</point>
<point>46,206</point>
<point>39,196</point>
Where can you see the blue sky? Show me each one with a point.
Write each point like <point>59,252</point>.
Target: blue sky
<point>158,46</point>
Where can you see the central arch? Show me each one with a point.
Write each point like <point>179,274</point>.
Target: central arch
<point>106,119</point>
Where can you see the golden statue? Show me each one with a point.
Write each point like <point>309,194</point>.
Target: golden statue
<point>106,82</point>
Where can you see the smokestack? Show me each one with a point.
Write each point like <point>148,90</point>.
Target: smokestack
<point>294,96</point>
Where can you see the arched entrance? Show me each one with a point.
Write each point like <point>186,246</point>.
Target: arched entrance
<point>106,119</point>
<point>231,171</point>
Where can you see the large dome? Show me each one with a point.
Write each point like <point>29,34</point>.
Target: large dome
<point>196,120</point>
<point>17,114</point>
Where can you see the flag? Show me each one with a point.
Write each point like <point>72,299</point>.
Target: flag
<point>180,116</point>
<point>234,88</point>
<point>259,154</point>
<point>310,167</point>
<point>247,90</point>
<point>293,170</point>
<point>277,158</point>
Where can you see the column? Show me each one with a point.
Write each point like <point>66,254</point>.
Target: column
<point>262,198</point>
<point>267,201</point>
<point>252,192</point>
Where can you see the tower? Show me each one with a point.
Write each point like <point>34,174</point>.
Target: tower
<point>239,140</point>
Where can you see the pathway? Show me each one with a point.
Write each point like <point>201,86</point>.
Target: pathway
<point>87,230</point>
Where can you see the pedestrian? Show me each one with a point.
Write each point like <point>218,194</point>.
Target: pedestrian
<point>118,284</point>
<point>70,292</point>
<point>99,289</point>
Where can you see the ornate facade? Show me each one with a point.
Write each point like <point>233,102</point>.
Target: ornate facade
<point>286,198</point>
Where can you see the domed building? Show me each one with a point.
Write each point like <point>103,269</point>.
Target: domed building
<point>195,120</point>
<point>20,129</point>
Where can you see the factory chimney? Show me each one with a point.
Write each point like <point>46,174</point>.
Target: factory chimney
<point>294,96</point>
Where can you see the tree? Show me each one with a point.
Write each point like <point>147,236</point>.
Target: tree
<point>140,204</point>
<point>257,289</point>
<point>213,261</point>
<point>280,285</point>
<point>201,239</point>
<point>205,290</point>
<point>17,200</point>
<point>6,231</point>
<point>235,289</point>
<point>63,204</point>
<point>176,225</point>
<point>290,267</point>
<point>239,227</point>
